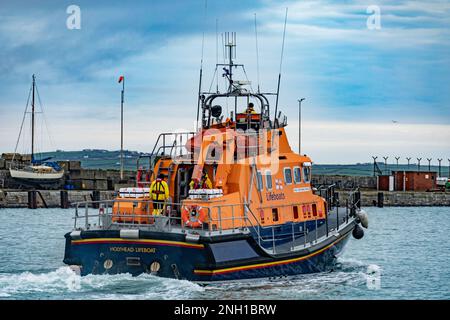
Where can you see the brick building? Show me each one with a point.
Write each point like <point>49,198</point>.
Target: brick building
<point>407,181</point>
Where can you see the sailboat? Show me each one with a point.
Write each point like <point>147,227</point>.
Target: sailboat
<point>39,172</point>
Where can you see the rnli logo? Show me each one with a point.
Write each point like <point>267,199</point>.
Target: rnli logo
<point>278,184</point>
<point>275,196</point>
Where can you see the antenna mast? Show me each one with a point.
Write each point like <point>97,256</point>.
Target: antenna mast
<point>32,119</point>
<point>230,44</point>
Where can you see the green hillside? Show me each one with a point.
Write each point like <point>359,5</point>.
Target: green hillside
<point>97,158</point>
<point>104,159</point>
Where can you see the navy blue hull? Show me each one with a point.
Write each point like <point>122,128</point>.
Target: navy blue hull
<point>39,183</point>
<point>168,255</point>
<point>175,258</point>
<point>315,262</point>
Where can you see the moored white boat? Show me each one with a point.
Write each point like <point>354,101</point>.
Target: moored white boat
<point>38,173</point>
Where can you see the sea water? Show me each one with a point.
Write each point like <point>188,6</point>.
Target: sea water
<point>405,254</point>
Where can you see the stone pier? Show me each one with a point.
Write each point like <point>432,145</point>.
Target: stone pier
<point>401,199</point>
<point>19,199</point>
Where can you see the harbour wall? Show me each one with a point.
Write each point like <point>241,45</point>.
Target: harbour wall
<point>52,198</point>
<point>19,199</point>
<point>400,198</point>
<point>345,182</point>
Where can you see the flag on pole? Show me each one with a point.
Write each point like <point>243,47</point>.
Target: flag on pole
<point>120,79</point>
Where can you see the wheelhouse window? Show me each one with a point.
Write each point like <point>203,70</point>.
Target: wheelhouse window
<point>268,180</point>
<point>297,175</point>
<point>287,175</point>
<point>307,174</point>
<point>259,181</point>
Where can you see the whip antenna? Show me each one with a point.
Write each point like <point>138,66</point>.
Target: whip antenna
<point>201,67</point>
<point>281,63</point>
<point>217,55</point>
<point>257,54</point>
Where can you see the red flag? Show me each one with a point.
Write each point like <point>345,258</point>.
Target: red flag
<point>120,79</point>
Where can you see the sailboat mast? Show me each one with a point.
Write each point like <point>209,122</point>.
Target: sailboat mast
<point>32,120</point>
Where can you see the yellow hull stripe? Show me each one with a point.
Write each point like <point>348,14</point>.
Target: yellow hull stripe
<point>263,265</point>
<point>138,241</point>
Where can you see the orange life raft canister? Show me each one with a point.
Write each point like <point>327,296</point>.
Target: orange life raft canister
<point>193,216</point>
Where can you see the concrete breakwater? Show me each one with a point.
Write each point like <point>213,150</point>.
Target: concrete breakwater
<point>345,182</point>
<point>400,199</point>
<point>52,198</point>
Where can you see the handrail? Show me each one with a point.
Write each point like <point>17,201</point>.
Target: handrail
<point>274,239</point>
<point>305,230</point>
<point>266,236</point>
<point>157,148</point>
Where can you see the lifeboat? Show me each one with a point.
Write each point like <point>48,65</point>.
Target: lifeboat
<point>240,202</point>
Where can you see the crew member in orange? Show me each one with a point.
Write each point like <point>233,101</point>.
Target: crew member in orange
<point>250,109</point>
<point>204,183</point>
<point>228,122</point>
<point>159,193</point>
<point>194,184</point>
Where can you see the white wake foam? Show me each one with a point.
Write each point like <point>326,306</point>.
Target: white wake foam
<point>65,283</point>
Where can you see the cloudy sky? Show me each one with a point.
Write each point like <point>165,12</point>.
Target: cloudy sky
<point>382,92</point>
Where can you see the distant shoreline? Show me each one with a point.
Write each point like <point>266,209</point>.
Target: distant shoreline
<point>106,159</point>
